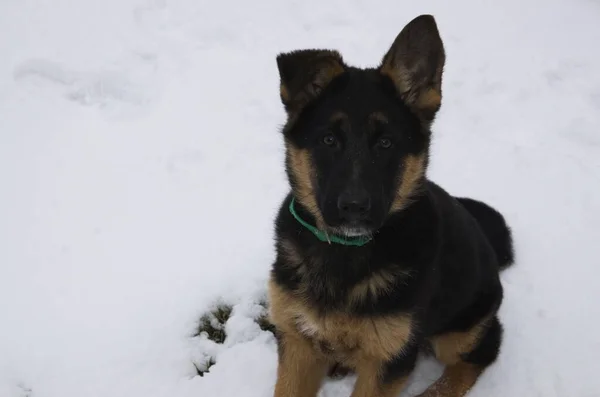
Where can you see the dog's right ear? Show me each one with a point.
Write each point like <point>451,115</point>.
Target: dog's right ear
<point>304,74</point>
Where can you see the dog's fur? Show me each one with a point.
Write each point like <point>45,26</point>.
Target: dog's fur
<point>429,278</point>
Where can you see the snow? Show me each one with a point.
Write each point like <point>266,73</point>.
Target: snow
<point>141,169</point>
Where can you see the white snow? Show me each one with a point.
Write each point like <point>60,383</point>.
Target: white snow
<point>141,169</point>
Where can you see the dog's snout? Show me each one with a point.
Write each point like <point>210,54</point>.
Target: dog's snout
<point>354,206</point>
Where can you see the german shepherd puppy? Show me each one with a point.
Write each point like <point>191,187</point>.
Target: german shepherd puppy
<point>375,263</point>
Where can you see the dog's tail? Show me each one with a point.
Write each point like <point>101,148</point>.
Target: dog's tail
<point>495,228</point>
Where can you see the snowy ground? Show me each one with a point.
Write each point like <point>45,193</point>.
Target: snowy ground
<point>140,168</point>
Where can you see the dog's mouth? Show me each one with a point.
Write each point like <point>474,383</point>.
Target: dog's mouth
<point>353,231</point>
<point>353,228</point>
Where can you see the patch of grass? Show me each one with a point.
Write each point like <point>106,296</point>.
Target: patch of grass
<point>222,313</point>
<point>213,324</point>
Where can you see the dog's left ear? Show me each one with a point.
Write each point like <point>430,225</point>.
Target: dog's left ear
<point>415,64</point>
<point>304,74</point>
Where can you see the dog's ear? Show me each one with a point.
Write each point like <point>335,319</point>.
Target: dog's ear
<point>304,74</point>
<point>415,63</point>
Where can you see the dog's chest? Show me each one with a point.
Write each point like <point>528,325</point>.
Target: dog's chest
<point>333,336</point>
<point>339,334</point>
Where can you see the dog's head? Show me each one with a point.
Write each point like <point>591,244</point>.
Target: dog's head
<point>357,140</point>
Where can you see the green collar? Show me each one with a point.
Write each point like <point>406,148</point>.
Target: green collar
<point>326,238</point>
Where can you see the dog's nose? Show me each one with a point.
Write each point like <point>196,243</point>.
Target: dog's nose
<point>354,206</point>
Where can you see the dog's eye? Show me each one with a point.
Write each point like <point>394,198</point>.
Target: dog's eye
<point>329,140</point>
<point>385,143</point>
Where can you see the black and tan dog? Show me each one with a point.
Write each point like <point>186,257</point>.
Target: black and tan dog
<point>375,263</point>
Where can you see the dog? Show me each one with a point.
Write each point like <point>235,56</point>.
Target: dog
<point>374,262</point>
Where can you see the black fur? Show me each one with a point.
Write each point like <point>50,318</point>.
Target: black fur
<point>453,280</point>
<point>486,351</point>
<point>494,227</point>
<point>346,166</point>
<point>402,365</point>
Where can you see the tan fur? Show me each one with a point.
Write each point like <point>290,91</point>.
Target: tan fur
<point>379,116</point>
<point>299,371</point>
<point>339,117</point>
<point>424,100</point>
<point>449,347</point>
<point>368,383</point>
<point>284,93</point>
<point>430,99</point>
<point>339,336</point>
<point>459,376</point>
<point>362,344</point>
<point>415,64</point>
<point>402,79</point>
<point>329,69</point>
<point>413,171</point>
<point>379,283</point>
<point>456,381</point>
<point>304,175</point>
<point>420,93</point>
<point>327,72</point>
<point>320,69</point>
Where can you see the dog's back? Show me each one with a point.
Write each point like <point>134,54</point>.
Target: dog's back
<point>494,227</point>
<point>468,284</point>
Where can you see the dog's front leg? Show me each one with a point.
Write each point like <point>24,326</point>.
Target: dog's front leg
<point>377,378</point>
<point>371,383</point>
<point>300,369</point>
